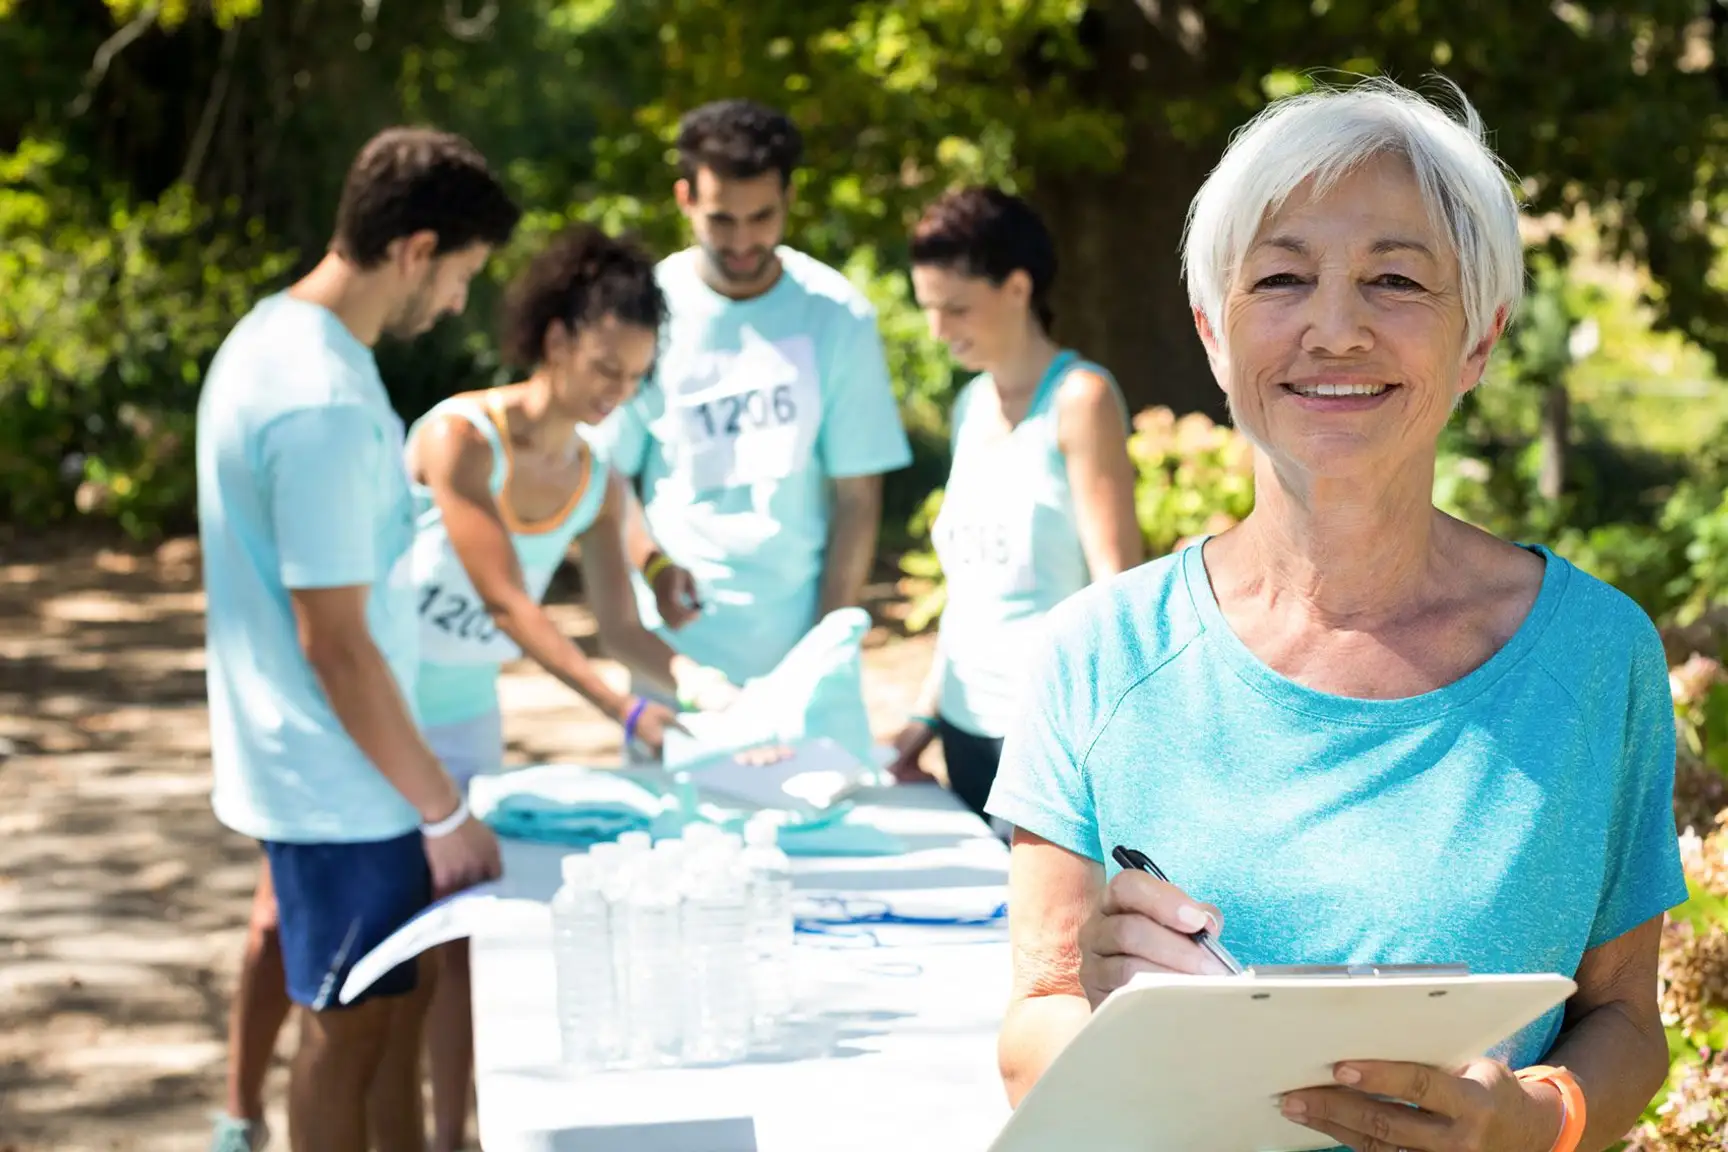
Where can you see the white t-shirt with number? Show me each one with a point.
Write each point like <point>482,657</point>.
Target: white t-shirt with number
<point>1009,546</point>
<point>754,408</point>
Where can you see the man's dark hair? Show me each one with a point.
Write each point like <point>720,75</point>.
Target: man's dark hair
<point>409,180</point>
<point>580,278</point>
<point>988,233</point>
<point>738,140</point>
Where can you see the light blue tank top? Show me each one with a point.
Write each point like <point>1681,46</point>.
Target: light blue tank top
<point>1008,544</point>
<point>461,649</point>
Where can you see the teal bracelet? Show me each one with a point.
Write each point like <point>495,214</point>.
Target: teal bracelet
<point>929,722</point>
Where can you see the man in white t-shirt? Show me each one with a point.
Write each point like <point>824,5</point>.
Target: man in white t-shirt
<point>305,520</point>
<point>760,443</point>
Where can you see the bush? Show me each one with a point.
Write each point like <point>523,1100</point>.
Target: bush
<point>1694,522</point>
<point>925,384</point>
<point>1694,1113</point>
<point>1192,477</point>
<point>109,313</point>
<point>1653,526</point>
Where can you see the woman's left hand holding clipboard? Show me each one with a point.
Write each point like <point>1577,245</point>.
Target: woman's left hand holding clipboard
<point>1481,1108</point>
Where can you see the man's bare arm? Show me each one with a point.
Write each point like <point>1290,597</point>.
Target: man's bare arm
<point>855,520</point>
<point>363,693</point>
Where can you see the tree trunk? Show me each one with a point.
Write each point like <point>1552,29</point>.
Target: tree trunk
<point>1119,296</point>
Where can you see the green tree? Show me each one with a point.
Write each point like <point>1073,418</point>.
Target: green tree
<point>1107,112</point>
<point>164,164</point>
<point>1111,112</point>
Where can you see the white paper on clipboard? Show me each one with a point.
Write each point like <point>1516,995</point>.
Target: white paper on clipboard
<point>1182,1062</point>
<point>468,913</point>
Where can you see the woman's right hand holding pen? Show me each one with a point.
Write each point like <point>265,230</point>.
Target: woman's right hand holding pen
<point>1143,924</point>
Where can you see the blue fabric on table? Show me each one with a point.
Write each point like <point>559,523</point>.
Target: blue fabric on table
<point>564,804</point>
<point>578,806</point>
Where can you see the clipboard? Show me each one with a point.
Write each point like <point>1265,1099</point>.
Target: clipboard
<point>1173,1063</point>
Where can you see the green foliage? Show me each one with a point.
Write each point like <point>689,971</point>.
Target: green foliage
<point>1089,105</point>
<point>1192,477</point>
<point>110,311</point>
<point>1643,505</point>
<point>1621,518</point>
<point>170,13</point>
<point>1695,523</point>
<point>926,592</point>
<point>924,381</point>
<point>1701,713</point>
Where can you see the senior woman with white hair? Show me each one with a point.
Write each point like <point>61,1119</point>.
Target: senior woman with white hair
<point>1364,731</point>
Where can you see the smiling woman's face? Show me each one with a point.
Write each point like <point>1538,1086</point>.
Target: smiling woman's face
<point>1343,345</point>
<point>600,368</point>
<point>976,319</point>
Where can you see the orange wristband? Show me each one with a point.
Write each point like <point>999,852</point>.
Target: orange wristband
<point>1571,1103</point>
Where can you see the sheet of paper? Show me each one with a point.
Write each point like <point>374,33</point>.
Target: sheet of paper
<point>477,910</point>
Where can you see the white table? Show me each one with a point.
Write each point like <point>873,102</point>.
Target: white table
<point>894,1048</point>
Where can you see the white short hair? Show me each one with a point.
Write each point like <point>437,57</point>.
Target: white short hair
<point>1324,134</point>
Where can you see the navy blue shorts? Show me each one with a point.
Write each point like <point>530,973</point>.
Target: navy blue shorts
<point>336,902</point>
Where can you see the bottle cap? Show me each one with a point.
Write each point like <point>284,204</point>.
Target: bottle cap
<point>761,833</point>
<point>577,869</point>
<point>697,834</point>
<point>635,841</point>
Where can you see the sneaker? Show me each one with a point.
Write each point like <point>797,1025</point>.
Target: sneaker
<point>233,1135</point>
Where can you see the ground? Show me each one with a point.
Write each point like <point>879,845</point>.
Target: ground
<point>122,901</point>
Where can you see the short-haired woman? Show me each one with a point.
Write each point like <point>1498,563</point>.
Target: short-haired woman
<point>1358,729</point>
<point>1040,494</point>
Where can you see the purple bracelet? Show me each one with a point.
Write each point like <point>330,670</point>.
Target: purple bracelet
<point>631,719</point>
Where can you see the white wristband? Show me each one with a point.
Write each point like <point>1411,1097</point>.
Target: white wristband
<point>442,828</point>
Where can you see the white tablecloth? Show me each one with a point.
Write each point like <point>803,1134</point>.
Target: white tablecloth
<point>894,1047</point>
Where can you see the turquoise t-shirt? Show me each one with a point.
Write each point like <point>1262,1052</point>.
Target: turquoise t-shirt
<point>1511,820</point>
<point>1009,545</point>
<point>461,649</point>
<point>755,406</point>
<point>300,485</point>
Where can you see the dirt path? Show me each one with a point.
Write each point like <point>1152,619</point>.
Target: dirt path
<point>122,901</point>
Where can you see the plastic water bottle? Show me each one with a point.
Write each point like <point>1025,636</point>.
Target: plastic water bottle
<point>607,859</point>
<point>655,985</point>
<point>582,955</point>
<point>619,867</point>
<point>610,874</point>
<point>717,1012</point>
<point>698,836</point>
<point>770,928</point>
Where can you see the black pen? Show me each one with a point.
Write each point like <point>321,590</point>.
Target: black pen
<point>1134,858</point>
